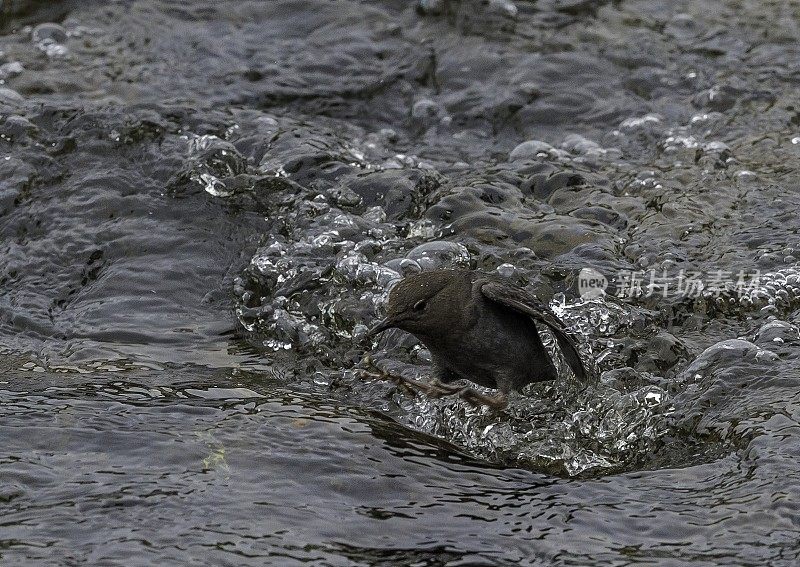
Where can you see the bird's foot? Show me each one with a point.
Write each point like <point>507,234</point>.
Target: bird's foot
<point>409,386</point>
<point>498,402</point>
<point>436,389</point>
<point>443,389</point>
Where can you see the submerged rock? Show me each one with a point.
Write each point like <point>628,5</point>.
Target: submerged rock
<point>727,354</point>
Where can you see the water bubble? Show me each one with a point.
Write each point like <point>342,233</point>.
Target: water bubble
<point>277,345</point>
<point>375,215</point>
<point>439,254</point>
<point>49,31</point>
<point>504,7</point>
<point>389,135</point>
<point>213,186</point>
<point>430,7</point>
<point>618,427</point>
<point>679,141</point>
<point>211,160</point>
<point>50,37</point>
<point>529,150</point>
<point>506,270</point>
<point>577,144</point>
<point>422,229</point>
<point>633,123</point>
<point>327,238</point>
<point>716,147</point>
<point>427,111</point>
<point>700,118</point>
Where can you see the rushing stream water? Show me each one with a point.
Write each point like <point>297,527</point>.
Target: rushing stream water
<point>204,205</point>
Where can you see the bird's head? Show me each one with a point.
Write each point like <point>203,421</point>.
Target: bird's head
<point>417,305</point>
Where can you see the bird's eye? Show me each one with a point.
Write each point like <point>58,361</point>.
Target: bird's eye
<point>419,305</point>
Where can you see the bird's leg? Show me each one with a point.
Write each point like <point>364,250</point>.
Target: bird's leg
<point>433,390</point>
<point>436,389</point>
<point>498,402</point>
<point>441,378</point>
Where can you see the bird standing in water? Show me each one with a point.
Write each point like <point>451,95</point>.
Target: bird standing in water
<point>479,328</point>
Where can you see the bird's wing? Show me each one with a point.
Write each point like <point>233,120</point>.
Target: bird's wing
<point>523,302</point>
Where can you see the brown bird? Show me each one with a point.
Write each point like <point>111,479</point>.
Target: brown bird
<point>479,328</point>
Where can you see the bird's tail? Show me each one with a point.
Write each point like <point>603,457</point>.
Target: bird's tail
<point>570,351</point>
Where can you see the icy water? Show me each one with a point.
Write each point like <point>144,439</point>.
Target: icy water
<point>203,206</point>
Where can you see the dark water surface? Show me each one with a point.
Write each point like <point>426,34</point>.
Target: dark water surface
<point>203,206</point>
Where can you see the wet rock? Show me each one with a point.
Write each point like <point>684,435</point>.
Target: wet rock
<point>438,7</point>
<point>401,193</point>
<point>466,202</point>
<point>344,197</point>
<point>578,7</point>
<point>550,238</point>
<point>728,383</point>
<point>622,379</point>
<point>309,157</point>
<point>388,135</point>
<point>719,98</point>
<point>647,81</point>
<point>17,127</point>
<point>726,354</point>
<point>662,353</point>
<point>776,332</point>
<point>427,112</point>
<point>498,193</point>
<point>9,96</point>
<point>266,124</point>
<point>473,16</point>
<point>543,185</point>
<point>683,27</point>
<point>604,215</point>
<point>10,70</point>
<point>597,254</point>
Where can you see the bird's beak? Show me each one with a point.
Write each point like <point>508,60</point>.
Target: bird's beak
<point>380,327</point>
